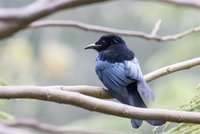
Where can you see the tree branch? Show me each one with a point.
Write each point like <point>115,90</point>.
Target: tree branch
<point>156,27</point>
<point>108,30</point>
<point>94,104</point>
<point>13,20</point>
<point>63,95</point>
<point>48,128</point>
<point>172,68</point>
<point>41,8</point>
<point>10,130</point>
<point>189,3</point>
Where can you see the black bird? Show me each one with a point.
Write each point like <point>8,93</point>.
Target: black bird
<point>119,70</point>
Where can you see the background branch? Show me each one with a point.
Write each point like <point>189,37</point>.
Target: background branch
<point>48,128</point>
<point>190,3</point>
<point>13,20</point>
<point>108,30</point>
<point>10,130</point>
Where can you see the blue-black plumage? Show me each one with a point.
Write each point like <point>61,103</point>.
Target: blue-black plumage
<point>119,70</point>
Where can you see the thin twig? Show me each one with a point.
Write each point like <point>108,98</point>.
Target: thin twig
<point>172,68</point>
<point>10,130</point>
<point>108,30</point>
<point>156,27</point>
<point>189,3</point>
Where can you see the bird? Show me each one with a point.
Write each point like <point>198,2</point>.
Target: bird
<point>120,72</point>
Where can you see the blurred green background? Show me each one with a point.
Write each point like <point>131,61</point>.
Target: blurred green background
<point>56,56</point>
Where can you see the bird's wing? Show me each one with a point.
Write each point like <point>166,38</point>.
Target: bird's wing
<point>113,77</point>
<point>133,71</point>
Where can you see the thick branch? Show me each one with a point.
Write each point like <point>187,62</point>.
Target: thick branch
<point>93,91</point>
<point>41,8</point>
<point>108,30</point>
<point>94,104</point>
<point>13,20</point>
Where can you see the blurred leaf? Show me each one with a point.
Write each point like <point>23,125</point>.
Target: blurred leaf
<point>56,58</point>
<point>198,86</point>
<point>6,116</point>
<point>17,61</point>
<point>3,83</point>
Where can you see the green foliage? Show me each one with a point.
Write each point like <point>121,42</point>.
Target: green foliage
<point>4,115</point>
<point>3,83</point>
<point>187,128</point>
<point>198,86</point>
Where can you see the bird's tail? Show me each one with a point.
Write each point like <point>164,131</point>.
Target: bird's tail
<point>136,100</point>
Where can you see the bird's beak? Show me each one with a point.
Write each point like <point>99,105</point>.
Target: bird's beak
<point>91,46</point>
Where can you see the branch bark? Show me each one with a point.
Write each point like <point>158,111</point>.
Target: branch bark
<point>108,30</point>
<point>94,104</point>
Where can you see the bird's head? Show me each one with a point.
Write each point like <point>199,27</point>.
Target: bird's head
<point>106,42</point>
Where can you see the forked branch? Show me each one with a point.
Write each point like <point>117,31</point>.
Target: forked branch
<point>64,95</point>
<point>108,30</point>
